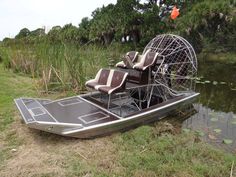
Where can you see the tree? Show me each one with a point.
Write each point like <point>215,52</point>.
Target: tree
<point>152,23</point>
<point>103,24</point>
<point>69,33</point>
<point>6,40</point>
<point>84,29</point>
<point>129,19</point>
<point>54,34</point>
<point>204,21</point>
<point>38,32</point>
<point>23,33</point>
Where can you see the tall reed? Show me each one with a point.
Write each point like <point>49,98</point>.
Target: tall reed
<point>60,66</point>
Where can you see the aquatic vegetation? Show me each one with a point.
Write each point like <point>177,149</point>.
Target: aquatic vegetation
<point>227,141</point>
<point>212,137</point>
<point>200,133</point>
<point>217,130</point>
<point>186,130</point>
<point>234,122</point>
<point>214,119</point>
<point>223,83</point>
<point>198,82</point>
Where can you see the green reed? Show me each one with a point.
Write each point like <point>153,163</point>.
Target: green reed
<point>60,66</point>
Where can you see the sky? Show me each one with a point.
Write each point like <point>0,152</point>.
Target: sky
<point>33,14</point>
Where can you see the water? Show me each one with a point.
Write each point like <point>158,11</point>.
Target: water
<point>215,120</point>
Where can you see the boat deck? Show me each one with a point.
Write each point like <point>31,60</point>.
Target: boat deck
<point>74,110</point>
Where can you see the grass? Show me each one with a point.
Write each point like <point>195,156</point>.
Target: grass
<point>150,150</point>
<point>170,155</point>
<point>11,86</point>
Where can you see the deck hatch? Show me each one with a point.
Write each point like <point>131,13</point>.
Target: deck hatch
<point>93,117</point>
<point>37,111</point>
<point>69,102</point>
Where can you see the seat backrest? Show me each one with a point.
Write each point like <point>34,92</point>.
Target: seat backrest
<point>150,59</point>
<point>118,78</point>
<point>147,60</point>
<point>130,58</point>
<point>143,57</point>
<point>133,55</point>
<point>102,76</point>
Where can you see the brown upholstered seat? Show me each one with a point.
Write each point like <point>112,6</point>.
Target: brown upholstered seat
<point>147,60</point>
<point>100,79</point>
<point>108,81</point>
<point>128,60</point>
<point>116,82</point>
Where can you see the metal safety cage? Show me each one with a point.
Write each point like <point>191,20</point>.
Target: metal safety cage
<point>177,62</point>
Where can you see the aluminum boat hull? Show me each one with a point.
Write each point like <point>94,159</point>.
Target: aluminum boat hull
<point>44,115</point>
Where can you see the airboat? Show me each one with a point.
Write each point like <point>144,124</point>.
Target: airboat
<point>142,88</point>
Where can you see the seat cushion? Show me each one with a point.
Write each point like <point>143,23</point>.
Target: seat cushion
<point>105,89</point>
<point>91,84</point>
<point>121,64</point>
<point>94,85</point>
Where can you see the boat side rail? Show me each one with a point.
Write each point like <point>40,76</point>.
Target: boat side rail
<point>60,124</point>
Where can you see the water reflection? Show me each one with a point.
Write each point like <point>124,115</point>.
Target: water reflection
<point>213,126</point>
<point>219,94</point>
<point>217,97</point>
<point>215,120</point>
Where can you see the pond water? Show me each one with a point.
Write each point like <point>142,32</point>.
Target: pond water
<point>215,120</point>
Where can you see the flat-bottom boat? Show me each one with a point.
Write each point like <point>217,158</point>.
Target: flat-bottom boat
<point>82,118</point>
<point>143,88</point>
